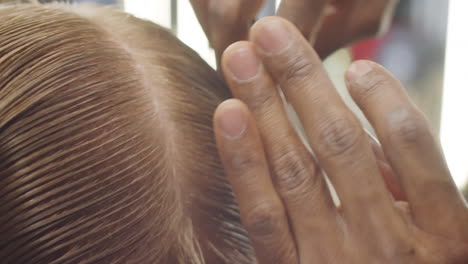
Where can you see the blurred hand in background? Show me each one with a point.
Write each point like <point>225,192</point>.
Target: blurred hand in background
<point>328,24</point>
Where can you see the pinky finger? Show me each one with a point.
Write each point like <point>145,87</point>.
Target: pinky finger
<point>262,212</point>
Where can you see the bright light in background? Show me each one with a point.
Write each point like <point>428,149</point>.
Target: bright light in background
<point>191,33</point>
<point>188,28</point>
<point>454,130</point>
<point>157,11</point>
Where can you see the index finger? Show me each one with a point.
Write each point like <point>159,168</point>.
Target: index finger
<point>225,21</point>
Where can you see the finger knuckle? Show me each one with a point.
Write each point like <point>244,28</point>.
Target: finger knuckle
<point>400,248</point>
<point>294,175</point>
<point>405,249</point>
<point>399,254</point>
<point>393,247</point>
<point>299,70</point>
<point>262,100</point>
<point>263,221</point>
<point>245,163</point>
<point>407,128</point>
<point>373,86</point>
<point>337,137</point>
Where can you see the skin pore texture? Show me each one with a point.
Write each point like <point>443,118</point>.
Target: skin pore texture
<point>108,154</point>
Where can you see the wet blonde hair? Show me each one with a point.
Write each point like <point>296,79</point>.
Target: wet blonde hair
<point>107,151</point>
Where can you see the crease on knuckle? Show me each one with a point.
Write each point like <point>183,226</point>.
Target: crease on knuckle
<point>407,128</point>
<point>374,85</point>
<point>294,176</point>
<point>245,163</point>
<point>261,100</point>
<point>338,137</point>
<point>299,70</point>
<point>263,220</point>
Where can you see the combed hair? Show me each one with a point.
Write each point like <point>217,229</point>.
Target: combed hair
<point>107,152</point>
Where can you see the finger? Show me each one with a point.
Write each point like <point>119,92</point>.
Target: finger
<point>305,14</point>
<point>262,211</point>
<point>408,143</point>
<point>336,28</point>
<point>335,134</point>
<point>391,179</point>
<point>201,11</point>
<point>297,179</point>
<point>377,148</point>
<point>353,20</point>
<point>230,21</point>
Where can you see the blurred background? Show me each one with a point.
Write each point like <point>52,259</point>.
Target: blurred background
<point>425,48</point>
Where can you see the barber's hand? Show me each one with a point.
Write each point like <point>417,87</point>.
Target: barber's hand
<point>226,21</point>
<point>337,22</point>
<point>347,21</point>
<point>283,198</point>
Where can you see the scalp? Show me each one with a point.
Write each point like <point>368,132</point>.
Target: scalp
<point>83,178</point>
<point>108,153</point>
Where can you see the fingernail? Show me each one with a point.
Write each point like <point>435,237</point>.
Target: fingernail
<point>357,70</point>
<point>272,36</point>
<point>232,120</point>
<point>243,63</point>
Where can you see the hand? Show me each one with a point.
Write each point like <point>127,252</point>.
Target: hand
<point>226,21</point>
<point>347,21</point>
<point>283,198</point>
<point>337,22</point>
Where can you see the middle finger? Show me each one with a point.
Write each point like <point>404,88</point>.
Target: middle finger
<point>297,180</point>
<point>335,134</point>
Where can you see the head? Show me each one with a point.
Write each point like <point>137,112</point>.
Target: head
<point>107,153</point>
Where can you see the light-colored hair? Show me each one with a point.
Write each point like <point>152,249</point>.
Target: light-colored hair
<point>107,151</point>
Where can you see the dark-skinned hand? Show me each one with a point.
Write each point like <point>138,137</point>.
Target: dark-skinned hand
<point>328,24</point>
<point>282,194</point>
